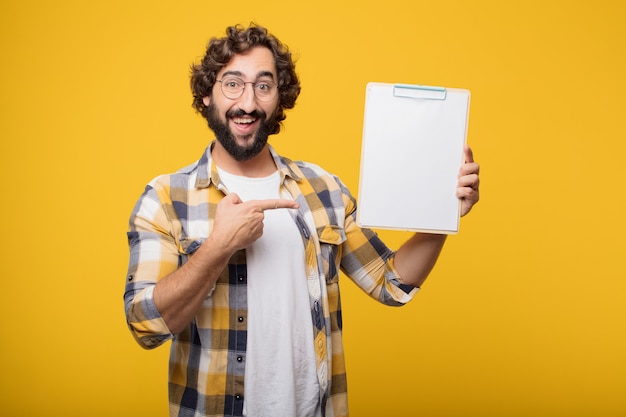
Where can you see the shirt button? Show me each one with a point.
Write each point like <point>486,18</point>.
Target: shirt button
<point>238,397</point>
<point>240,319</point>
<point>239,358</point>
<point>240,277</point>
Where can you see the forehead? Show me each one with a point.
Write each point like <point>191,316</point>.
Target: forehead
<point>251,65</point>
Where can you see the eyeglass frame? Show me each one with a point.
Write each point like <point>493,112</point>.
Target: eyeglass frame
<point>254,89</point>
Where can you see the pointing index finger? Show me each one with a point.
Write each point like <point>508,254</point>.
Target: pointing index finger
<point>276,203</point>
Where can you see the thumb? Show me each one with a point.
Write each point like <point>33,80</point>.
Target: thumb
<point>232,198</point>
<point>469,155</point>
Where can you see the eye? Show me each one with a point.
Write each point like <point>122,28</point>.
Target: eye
<point>232,83</point>
<point>263,86</point>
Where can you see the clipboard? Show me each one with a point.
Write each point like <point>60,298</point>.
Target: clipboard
<point>412,149</point>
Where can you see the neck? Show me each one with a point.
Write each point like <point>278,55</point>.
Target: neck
<point>259,166</point>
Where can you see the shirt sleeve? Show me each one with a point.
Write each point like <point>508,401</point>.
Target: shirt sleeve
<point>369,262</point>
<point>153,255</point>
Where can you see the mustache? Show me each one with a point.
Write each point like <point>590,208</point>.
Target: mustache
<point>257,114</point>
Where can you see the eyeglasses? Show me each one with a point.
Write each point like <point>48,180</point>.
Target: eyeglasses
<point>233,87</point>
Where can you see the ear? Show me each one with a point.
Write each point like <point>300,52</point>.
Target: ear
<point>206,100</point>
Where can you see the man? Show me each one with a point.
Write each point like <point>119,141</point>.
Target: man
<point>236,257</point>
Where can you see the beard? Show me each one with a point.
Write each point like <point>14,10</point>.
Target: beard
<point>225,136</point>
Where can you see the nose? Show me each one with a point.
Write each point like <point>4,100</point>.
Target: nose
<point>247,101</point>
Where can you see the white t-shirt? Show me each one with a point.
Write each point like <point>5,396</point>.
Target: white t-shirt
<point>281,377</point>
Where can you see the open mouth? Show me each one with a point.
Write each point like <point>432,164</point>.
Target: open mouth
<point>244,125</point>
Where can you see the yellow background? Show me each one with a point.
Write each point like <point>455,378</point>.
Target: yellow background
<point>524,314</point>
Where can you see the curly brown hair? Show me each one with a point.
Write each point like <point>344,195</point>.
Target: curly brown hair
<point>239,40</point>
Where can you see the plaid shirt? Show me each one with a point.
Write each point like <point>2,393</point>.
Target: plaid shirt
<point>170,221</point>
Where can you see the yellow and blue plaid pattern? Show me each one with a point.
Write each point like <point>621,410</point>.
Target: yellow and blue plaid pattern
<point>175,215</point>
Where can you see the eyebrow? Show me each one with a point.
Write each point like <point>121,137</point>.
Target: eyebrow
<point>259,74</point>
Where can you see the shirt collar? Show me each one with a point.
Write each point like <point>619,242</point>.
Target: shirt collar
<point>207,171</point>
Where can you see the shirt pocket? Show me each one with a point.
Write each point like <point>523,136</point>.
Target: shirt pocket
<point>331,237</point>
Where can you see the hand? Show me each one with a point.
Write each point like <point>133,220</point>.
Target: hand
<point>467,190</point>
<point>237,224</point>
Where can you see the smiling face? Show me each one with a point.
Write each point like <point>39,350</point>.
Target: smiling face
<point>242,125</point>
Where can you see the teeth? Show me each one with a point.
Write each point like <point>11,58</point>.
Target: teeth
<point>243,121</point>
